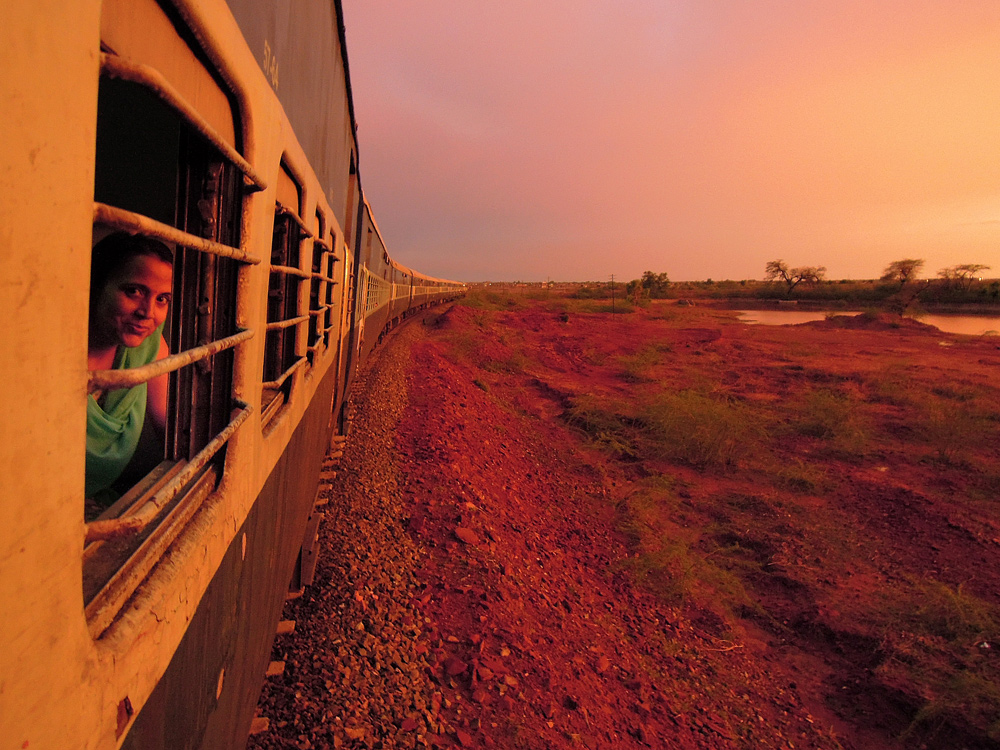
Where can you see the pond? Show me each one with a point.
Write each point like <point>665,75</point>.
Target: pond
<point>972,325</point>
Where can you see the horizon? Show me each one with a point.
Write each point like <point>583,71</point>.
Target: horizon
<point>759,280</point>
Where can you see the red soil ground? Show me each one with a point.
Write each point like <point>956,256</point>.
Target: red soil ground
<point>490,573</point>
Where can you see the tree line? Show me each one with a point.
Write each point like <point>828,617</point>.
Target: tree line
<point>903,271</point>
<point>899,280</point>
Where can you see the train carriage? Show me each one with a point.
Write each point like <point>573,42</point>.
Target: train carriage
<point>224,130</point>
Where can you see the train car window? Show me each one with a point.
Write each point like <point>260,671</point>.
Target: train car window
<point>164,174</point>
<point>318,284</point>
<point>145,30</point>
<point>350,210</point>
<point>375,293</point>
<point>329,318</point>
<point>281,355</point>
<point>349,303</point>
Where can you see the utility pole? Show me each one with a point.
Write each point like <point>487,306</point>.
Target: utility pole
<point>612,294</point>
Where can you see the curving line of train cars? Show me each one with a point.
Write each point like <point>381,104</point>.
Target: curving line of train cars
<point>224,128</point>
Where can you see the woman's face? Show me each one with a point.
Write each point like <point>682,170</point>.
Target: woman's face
<point>134,301</point>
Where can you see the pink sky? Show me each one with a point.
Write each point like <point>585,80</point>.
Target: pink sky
<point>575,140</point>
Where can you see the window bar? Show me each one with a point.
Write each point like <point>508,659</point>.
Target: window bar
<point>319,311</point>
<point>320,345</point>
<point>135,223</point>
<point>282,211</point>
<point>328,252</point>
<point>101,380</point>
<point>137,521</point>
<point>327,279</point>
<point>116,67</point>
<point>291,271</point>
<point>276,384</point>
<point>279,324</point>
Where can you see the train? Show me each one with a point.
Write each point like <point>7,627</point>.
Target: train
<point>224,129</point>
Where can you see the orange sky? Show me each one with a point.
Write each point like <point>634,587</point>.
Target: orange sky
<point>575,139</point>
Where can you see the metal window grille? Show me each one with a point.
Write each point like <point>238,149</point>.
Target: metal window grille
<point>329,320</point>
<point>185,190</point>
<point>283,314</point>
<point>321,288</point>
<point>375,294</point>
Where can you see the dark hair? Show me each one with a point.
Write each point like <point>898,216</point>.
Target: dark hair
<point>115,250</point>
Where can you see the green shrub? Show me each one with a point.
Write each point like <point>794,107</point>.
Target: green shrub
<point>485,299</point>
<point>798,476</point>
<point>938,609</point>
<point>670,567</point>
<point>614,432</point>
<point>891,385</point>
<point>954,430</point>
<point>635,367</point>
<point>702,430</point>
<point>591,291</point>
<point>941,638</point>
<point>619,307</point>
<point>832,416</point>
<point>511,364</point>
<point>468,346</point>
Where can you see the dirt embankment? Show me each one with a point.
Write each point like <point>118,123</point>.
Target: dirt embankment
<point>499,568</point>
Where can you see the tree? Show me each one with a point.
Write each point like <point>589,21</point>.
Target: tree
<point>811,274</point>
<point>902,270</point>
<point>778,270</point>
<point>905,271</point>
<point>651,285</point>
<point>963,274</point>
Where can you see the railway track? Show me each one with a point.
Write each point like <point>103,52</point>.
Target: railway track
<point>356,664</point>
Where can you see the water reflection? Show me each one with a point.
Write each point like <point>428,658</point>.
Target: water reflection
<point>972,325</point>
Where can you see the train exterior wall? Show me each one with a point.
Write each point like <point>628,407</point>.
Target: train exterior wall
<point>47,60</point>
<point>207,696</point>
<point>298,48</point>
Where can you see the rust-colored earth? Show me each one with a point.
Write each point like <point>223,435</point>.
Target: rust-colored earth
<point>511,560</point>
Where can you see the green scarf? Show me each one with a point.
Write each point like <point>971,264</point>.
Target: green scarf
<point>113,430</point>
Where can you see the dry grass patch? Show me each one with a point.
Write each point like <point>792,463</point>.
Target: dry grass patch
<point>945,643</point>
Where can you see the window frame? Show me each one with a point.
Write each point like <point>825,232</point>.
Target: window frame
<point>331,321</point>
<point>376,293</point>
<point>128,539</point>
<point>321,291</point>
<point>285,278</point>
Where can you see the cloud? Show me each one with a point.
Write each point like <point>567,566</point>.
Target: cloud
<point>703,138</point>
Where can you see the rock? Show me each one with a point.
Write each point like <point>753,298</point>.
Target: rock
<point>354,733</point>
<point>454,666</point>
<point>494,665</point>
<point>466,535</point>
